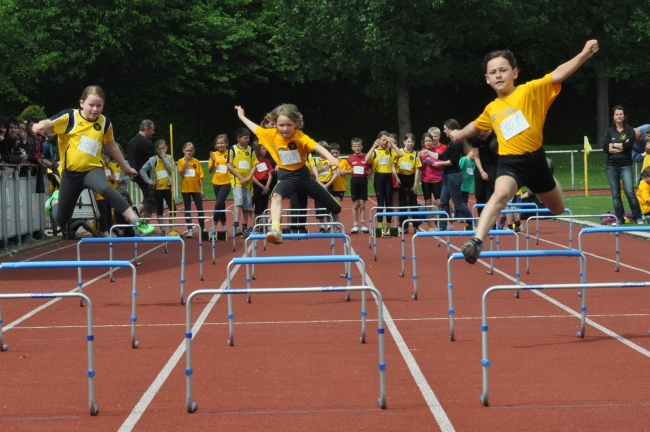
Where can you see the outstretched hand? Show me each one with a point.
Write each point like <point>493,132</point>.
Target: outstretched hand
<point>591,47</point>
<point>240,111</point>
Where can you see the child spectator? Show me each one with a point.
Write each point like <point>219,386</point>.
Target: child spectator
<point>408,174</point>
<point>191,173</point>
<point>643,194</point>
<point>327,174</point>
<point>218,167</point>
<point>261,180</point>
<point>104,207</point>
<point>431,176</point>
<point>121,180</point>
<point>467,167</point>
<point>157,173</point>
<point>340,185</point>
<point>242,164</point>
<point>358,185</point>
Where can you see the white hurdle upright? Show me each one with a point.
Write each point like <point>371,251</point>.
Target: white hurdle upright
<point>485,362</point>
<point>90,337</point>
<point>77,264</point>
<point>191,406</point>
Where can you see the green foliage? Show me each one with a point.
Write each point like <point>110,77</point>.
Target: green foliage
<point>33,111</point>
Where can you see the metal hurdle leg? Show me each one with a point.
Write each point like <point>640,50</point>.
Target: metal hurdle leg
<point>3,347</point>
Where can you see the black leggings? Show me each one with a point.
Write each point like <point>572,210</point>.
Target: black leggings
<point>260,200</point>
<point>384,192</point>
<point>301,181</point>
<point>187,201</point>
<point>159,196</point>
<point>220,193</point>
<point>406,196</point>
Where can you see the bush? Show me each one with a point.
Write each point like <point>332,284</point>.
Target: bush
<point>33,111</point>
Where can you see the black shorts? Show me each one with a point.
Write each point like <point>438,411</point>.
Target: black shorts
<point>359,189</point>
<point>434,189</point>
<point>339,195</point>
<point>530,170</point>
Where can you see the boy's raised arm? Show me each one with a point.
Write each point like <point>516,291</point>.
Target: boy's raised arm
<point>565,70</point>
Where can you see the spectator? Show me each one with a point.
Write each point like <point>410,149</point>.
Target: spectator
<point>640,142</point>
<point>485,173</point>
<point>140,151</point>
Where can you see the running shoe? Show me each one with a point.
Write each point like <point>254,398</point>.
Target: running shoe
<point>48,203</point>
<point>365,229</point>
<point>322,230</point>
<point>238,232</point>
<point>471,250</point>
<point>274,235</point>
<point>640,221</point>
<point>354,230</point>
<point>190,233</point>
<point>144,228</point>
<point>245,233</point>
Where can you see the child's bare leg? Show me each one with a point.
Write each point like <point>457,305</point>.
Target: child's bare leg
<point>276,210</point>
<point>554,199</point>
<point>427,202</point>
<point>355,213</point>
<point>362,210</point>
<point>504,189</point>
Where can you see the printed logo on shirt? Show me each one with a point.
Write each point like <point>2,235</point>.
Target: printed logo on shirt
<point>96,126</point>
<point>411,157</point>
<point>194,166</point>
<point>293,146</point>
<point>246,153</point>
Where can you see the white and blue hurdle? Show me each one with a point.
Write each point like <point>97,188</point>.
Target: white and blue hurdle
<point>485,362</point>
<point>87,264</point>
<point>511,254</point>
<point>617,230</point>
<point>451,234</point>
<point>213,230</point>
<point>191,406</point>
<point>313,259</point>
<point>90,337</point>
<point>135,241</point>
<point>212,238</point>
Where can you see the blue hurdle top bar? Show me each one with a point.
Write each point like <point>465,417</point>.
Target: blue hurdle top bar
<point>62,264</point>
<point>523,254</point>
<point>296,259</point>
<point>158,239</point>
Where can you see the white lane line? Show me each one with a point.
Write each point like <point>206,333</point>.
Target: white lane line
<point>430,397</point>
<point>148,396</point>
<point>51,302</point>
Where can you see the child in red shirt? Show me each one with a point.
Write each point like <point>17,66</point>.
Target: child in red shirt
<point>358,185</point>
<point>261,181</point>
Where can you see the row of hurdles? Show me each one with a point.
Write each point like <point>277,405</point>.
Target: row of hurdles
<point>347,258</point>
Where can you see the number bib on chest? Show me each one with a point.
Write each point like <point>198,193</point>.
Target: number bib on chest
<point>243,165</point>
<point>406,166</point>
<point>190,173</point>
<point>162,174</point>
<point>88,145</point>
<point>222,169</point>
<point>261,167</point>
<point>514,125</point>
<point>383,160</point>
<point>289,157</point>
<point>358,170</point>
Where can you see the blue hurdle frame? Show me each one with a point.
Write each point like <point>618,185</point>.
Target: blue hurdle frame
<point>135,241</point>
<point>212,238</point>
<point>485,362</point>
<point>89,264</point>
<point>191,406</point>
<point>453,234</point>
<point>611,229</point>
<point>313,259</point>
<point>90,337</point>
<point>511,254</point>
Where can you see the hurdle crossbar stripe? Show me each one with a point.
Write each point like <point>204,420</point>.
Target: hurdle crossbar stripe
<point>485,362</point>
<point>191,406</point>
<point>90,337</point>
<point>522,254</point>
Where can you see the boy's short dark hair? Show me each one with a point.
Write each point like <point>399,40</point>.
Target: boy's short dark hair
<point>325,145</point>
<point>335,146</point>
<point>356,140</point>
<point>646,172</point>
<point>242,131</point>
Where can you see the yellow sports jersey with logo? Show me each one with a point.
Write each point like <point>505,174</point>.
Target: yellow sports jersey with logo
<point>117,173</point>
<point>191,180</point>
<point>326,174</point>
<point>161,175</point>
<point>81,140</point>
<point>221,175</point>
<point>243,160</point>
<point>382,160</point>
<point>341,182</point>
<point>518,119</point>
<point>408,163</point>
<point>290,153</point>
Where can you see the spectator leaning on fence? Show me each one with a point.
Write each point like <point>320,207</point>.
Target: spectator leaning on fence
<point>640,142</point>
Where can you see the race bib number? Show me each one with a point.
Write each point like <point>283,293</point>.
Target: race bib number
<point>162,174</point>
<point>190,173</point>
<point>222,169</point>
<point>289,157</point>
<point>117,176</point>
<point>406,166</point>
<point>514,125</point>
<point>108,173</point>
<point>88,145</point>
<point>243,165</point>
<point>261,167</point>
<point>358,170</point>
<point>470,171</point>
<point>383,160</point>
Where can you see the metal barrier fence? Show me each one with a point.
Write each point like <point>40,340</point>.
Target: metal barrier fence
<point>90,337</point>
<point>191,406</point>
<point>485,362</point>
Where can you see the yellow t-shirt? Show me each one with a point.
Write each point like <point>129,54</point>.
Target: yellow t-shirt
<point>221,176</point>
<point>408,163</point>
<point>243,160</point>
<point>382,160</point>
<point>325,175</point>
<point>161,175</point>
<point>191,181</point>
<point>289,154</point>
<point>108,171</point>
<point>528,103</point>
<point>117,173</point>
<point>80,140</point>
<point>643,195</point>
<point>341,182</point>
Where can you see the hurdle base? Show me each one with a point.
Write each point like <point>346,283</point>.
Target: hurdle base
<point>222,236</point>
<point>394,232</point>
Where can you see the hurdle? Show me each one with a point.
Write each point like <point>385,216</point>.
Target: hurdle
<point>611,229</point>
<point>213,230</point>
<point>166,237</point>
<point>305,225</point>
<point>92,408</point>
<point>76,264</point>
<point>511,254</point>
<point>451,234</point>
<point>135,240</point>
<point>189,402</point>
<point>313,259</point>
<point>296,213</point>
<point>510,204</point>
<point>212,238</point>
<point>400,213</point>
<point>371,224</point>
<point>485,362</point>
<point>347,250</point>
